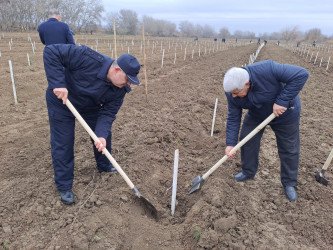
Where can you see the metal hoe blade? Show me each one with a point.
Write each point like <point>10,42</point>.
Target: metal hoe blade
<point>152,210</point>
<point>320,177</point>
<point>147,204</point>
<point>196,184</point>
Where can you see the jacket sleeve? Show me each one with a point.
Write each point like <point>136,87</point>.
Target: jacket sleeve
<point>69,36</point>
<point>40,35</point>
<point>294,78</point>
<point>233,122</point>
<point>56,58</point>
<point>107,114</point>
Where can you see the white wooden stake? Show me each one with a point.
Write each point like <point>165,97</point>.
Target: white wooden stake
<point>114,38</point>
<point>328,62</point>
<point>174,60</point>
<point>213,122</point>
<point>185,54</point>
<point>316,58</point>
<point>12,76</point>
<point>162,59</point>
<point>174,183</point>
<point>28,59</point>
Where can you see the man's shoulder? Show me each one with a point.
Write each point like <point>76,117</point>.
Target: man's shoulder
<point>41,26</point>
<point>63,24</point>
<point>52,23</point>
<point>95,55</point>
<point>262,67</point>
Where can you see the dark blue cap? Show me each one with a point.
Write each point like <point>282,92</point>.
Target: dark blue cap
<point>130,65</point>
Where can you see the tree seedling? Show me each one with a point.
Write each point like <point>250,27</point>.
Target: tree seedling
<point>197,234</point>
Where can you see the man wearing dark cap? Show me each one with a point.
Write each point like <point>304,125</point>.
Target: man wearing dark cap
<point>96,85</point>
<point>53,31</point>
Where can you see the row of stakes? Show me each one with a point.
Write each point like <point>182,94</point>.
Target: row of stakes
<point>302,52</point>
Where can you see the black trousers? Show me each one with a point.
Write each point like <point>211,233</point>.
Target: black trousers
<point>288,142</point>
<point>62,128</point>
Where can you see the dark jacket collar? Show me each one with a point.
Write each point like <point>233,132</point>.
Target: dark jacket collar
<point>52,19</point>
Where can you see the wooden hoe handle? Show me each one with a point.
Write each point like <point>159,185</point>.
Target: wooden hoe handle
<point>328,161</point>
<point>95,138</point>
<point>240,144</point>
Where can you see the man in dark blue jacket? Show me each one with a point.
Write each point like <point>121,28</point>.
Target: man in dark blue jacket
<point>263,88</point>
<point>96,85</point>
<point>53,31</point>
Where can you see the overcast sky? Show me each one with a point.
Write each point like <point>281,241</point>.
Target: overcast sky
<point>257,16</point>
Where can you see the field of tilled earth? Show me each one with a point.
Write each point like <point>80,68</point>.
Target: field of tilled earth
<point>176,113</point>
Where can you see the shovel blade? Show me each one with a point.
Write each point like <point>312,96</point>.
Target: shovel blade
<point>320,177</point>
<point>146,204</point>
<point>196,184</point>
<point>149,207</point>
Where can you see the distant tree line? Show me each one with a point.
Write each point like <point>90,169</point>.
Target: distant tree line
<point>86,16</point>
<point>128,23</point>
<point>24,15</point>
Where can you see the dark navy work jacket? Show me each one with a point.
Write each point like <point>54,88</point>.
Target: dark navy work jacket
<point>54,32</point>
<point>83,72</point>
<point>270,82</point>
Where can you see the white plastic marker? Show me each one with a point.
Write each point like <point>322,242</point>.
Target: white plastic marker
<point>213,122</point>
<point>28,59</point>
<point>174,184</point>
<point>162,59</point>
<point>12,76</point>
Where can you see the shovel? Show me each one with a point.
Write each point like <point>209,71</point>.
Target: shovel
<point>198,180</point>
<point>320,174</point>
<point>143,200</point>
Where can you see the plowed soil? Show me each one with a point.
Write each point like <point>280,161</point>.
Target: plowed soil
<point>176,114</point>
